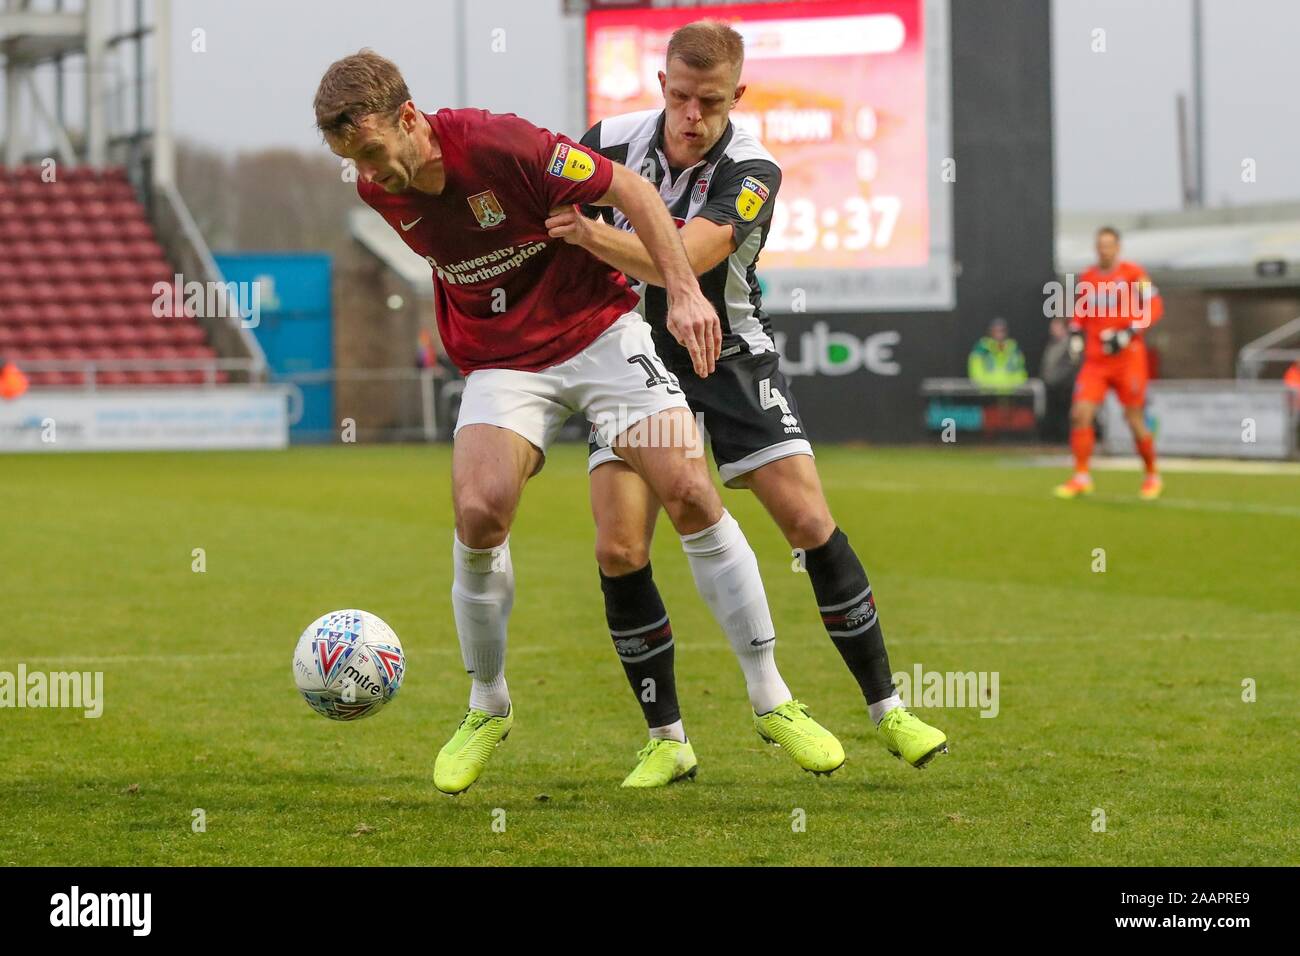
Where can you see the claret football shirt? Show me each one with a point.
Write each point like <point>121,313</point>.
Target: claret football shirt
<point>506,294</point>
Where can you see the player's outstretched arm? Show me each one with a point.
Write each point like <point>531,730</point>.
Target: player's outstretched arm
<point>707,243</point>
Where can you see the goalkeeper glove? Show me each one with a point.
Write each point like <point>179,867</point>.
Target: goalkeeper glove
<point>1115,340</point>
<point>1076,344</point>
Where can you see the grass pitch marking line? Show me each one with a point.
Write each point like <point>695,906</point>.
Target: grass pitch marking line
<point>138,658</point>
<point>1205,466</point>
<point>1185,504</point>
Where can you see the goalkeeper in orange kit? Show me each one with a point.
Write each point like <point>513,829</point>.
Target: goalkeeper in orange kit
<point>1115,305</point>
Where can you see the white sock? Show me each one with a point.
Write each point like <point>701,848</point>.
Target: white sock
<point>674,731</point>
<point>1083,476</point>
<point>482,593</point>
<point>882,707</point>
<point>726,574</point>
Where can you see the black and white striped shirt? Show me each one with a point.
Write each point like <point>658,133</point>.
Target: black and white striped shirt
<point>734,184</point>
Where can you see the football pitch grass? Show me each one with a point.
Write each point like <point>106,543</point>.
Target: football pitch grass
<point>1121,735</point>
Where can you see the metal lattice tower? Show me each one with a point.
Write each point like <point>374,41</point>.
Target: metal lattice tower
<point>88,82</point>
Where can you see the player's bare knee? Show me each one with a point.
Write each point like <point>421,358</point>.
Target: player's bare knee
<point>618,556</point>
<point>691,501</point>
<point>1080,417</point>
<point>807,527</point>
<point>482,520</point>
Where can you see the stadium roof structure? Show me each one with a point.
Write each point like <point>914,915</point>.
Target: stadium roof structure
<point>369,229</point>
<point>1237,247</point>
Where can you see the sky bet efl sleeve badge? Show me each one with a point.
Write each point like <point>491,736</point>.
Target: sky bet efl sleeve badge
<point>570,163</point>
<point>752,196</point>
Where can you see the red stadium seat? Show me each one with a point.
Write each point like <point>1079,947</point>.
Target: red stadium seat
<point>80,174</point>
<point>62,335</point>
<point>93,335</point>
<point>86,313</point>
<point>117,192</point>
<point>65,209</point>
<point>35,209</point>
<point>50,250</point>
<point>43,292</point>
<point>114,250</point>
<point>105,228</point>
<point>126,210</point>
<point>115,312</point>
<point>136,229</point>
<point>34,270</point>
<point>103,290</point>
<point>64,270</point>
<point>84,189</point>
<point>145,249</point>
<point>125,334</point>
<point>26,190</point>
<point>188,335</point>
<point>156,333</point>
<point>19,313</point>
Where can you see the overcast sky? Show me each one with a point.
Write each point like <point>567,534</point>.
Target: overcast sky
<point>1115,121</point>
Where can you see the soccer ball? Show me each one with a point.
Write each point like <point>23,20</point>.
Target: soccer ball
<point>348,664</point>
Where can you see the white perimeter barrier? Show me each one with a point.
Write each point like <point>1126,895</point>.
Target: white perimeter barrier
<point>1211,418</point>
<point>146,419</point>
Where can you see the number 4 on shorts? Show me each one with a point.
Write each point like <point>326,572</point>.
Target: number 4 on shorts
<point>768,397</point>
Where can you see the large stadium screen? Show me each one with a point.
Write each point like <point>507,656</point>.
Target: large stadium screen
<point>851,97</point>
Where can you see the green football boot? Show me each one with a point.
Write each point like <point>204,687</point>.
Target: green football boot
<point>661,762</point>
<point>462,759</point>
<point>812,746</point>
<point>909,738</point>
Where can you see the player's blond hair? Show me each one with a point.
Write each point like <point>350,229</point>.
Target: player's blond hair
<point>363,84</point>
<point>705,44</point>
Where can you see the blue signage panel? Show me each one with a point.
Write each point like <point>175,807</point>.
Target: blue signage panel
<point>294,325</point>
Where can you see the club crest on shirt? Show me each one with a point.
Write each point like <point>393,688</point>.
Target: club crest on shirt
<point>569,163</point>
<point>487,209</point>
<point>752,196</point>
<point>701,189</point>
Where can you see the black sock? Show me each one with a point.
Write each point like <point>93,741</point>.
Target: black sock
<point>643,640</point>
<point>848,610</point>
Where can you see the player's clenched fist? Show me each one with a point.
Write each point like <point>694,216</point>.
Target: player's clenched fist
<point>694,323</point>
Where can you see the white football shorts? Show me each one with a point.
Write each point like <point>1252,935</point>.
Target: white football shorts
<point>616,381</point>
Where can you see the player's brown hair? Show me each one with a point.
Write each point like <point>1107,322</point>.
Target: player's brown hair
<point>1104,230</point>
<point>362,84</point>
<point>704,44</point>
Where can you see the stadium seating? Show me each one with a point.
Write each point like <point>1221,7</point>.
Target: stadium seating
<point>78,264</point>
